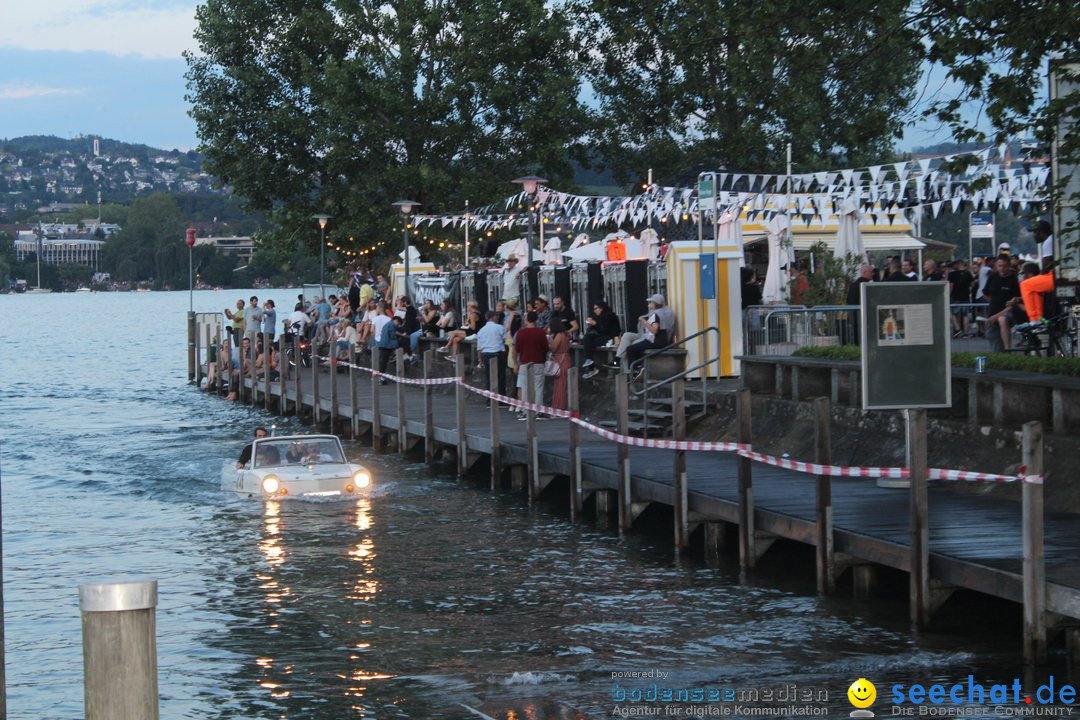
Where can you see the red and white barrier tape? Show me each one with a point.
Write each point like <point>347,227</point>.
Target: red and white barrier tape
<point>706,446</point>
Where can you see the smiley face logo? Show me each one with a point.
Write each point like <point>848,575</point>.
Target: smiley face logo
<point>862,693</point>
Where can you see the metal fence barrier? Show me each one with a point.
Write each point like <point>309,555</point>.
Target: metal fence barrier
<point>783,329</point>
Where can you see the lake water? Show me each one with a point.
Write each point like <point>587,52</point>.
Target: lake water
<point>430,596</point>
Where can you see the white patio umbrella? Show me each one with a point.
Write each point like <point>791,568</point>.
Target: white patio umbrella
<point>581,239</point>
<point>849,239</point>
<point>517,247</point>
<point>775,287</point>
<point>553,251</point>
<point>650,243</point>
<point>730,232</point>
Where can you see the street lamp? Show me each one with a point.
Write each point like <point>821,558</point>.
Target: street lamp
<point>322,253</point>
<point>406,207</point>
<point>529,184</point>
<point>190,240</point>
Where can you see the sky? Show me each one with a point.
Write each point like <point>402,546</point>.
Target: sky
<point>114,68</point>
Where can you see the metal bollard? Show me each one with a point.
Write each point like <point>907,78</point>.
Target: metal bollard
<point>119,650</point>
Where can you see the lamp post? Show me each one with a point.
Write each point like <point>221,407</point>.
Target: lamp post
<point>406,207</point>
<point>190,240</point>
<point>322,253</point>
<point>529,184</point>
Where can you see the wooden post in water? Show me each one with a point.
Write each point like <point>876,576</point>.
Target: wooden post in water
<point>282,364</point>
<point>622,452</point>
<point>530,425</point>
<point>459,403</point>
<point>376,401</point>
<point>402,416</point>
<point>747,532</point>
<point>191,347</point>
<point>297,404</point>
<point>1034,559</point>
<point>824,508</point>
<point>316,409</point>
<point>208,344</point>
<point>915,421</point>
<point>333,353</point>
<point>268,355</point>
<point>682,495</point>
<point>574,405</point>
<point>429,409</point>
<point>119,650</point>
<point>242,377</point>
<point>354,422</point>
<point>496,447</point>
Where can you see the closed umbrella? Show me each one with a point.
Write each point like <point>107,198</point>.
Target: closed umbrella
<point>775,285</point>
<point>849,239</point>
<point>729,231</point>
<point>553,251</point>
<point>651,243</point>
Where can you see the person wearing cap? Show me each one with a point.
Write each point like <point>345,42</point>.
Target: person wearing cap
<point>657,331</point>
<point>1004,248</point>
<point>511,277</point>
<point>543,312</point>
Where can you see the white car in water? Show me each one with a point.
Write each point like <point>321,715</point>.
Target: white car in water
<point>297,466</point>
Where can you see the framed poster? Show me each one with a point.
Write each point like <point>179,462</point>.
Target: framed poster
<point>906,345</point>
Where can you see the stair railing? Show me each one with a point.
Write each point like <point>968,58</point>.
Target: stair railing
<point>649,386</point>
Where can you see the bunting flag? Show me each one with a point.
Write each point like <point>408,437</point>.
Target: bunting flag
<point>990,179</point>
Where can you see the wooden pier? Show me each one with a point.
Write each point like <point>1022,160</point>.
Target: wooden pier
<point>961,541</point>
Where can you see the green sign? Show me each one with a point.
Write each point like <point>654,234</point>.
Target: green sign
<point>705,188</point>
<point>906,361</point>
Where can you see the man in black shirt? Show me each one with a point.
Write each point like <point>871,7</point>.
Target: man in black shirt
<point>931,272</point>
<point>1002,291</point>
<point>866,273</point>
<point>245,454</point>
<point>960,281</point>
<point>562,311</point>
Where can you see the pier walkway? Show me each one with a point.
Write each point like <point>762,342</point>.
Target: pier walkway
<point>973,542</point>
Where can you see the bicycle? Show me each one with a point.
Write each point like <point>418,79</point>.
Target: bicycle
<point>1059,333</point>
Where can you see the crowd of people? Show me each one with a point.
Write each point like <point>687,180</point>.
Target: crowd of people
<point>509,339</point>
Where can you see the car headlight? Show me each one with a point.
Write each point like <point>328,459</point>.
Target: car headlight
<point>361,478</point>
<point>270,484</point>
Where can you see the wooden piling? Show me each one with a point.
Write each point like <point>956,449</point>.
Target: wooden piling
<point>191,347</point>
<point>915,421</point>
<point>530,424</point>
<point>681,493</point>
<point>240,376</point>
<point>429,409</point>
<point>493,420</point>
<point>743,433</point>
<point>459,407</point>
<point>298,404</point>
<point>119,650</point>
<point>376,401</point>
<point>823,531</point>
<point>354,420</point>
<point>283,363</point>
<point>316,408</point>
<point>268,353</point>
<point>333,353</point>
<point>622,452</point>
<point>1034,567</point>
<point>402,416</point>
<point>574,405</point>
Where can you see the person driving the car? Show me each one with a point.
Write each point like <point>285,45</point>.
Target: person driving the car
<point>245,454</point>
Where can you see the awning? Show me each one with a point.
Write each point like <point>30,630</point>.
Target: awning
<point>872,241</point>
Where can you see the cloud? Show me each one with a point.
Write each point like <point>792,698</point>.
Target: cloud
<point>117,27</point>
<point>26,91</point>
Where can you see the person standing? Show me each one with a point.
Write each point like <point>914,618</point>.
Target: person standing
<point>543,312</point>
<point>560,353</point>
<point>751,291</point>
<point>269,320</point>
<point>931,272</point>
<point>387,343</point>
<point>960,282</point>
<point>237,319</point>
<point>491,346</point>
<point>1044,239</point>
<point>866,274</point>
<point>559,309</point>
<point>531,346</point>
<point>511,279</point>
<point>252,320</point>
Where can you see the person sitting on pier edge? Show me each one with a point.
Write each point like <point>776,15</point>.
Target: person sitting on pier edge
<point>531,346</point>
<point>659,330</point>
<point>387,343</point>
<point>491,345</point>
<point>543,312</point>
<point>245,454</point>
<point>269,320</point>
<point>603,327</point>
<point>559,309</point>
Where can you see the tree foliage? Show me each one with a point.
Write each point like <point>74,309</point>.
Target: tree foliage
<point>314,106</point>
<point>729,83</point>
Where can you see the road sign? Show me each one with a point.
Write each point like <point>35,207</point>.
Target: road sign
<point>906,345</point>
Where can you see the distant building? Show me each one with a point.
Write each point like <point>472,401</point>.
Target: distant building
<point>240,245</point>
<point>80,251</point>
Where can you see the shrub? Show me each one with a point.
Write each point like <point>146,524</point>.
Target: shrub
<point>994,361</point>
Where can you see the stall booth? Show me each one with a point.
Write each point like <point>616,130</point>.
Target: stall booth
<point>626,288</point>
<point>554,281</point>
<point>397,276</point>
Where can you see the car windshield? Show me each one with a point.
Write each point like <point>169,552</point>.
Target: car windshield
<point>273,452</point>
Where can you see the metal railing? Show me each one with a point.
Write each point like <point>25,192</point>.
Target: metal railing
<point>648,387</point>
<point>783,329</point>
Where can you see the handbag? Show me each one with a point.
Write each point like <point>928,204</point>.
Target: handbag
<point>552,369</point>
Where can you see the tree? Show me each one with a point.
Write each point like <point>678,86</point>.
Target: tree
<point>729,83</point>
<point>308,106</point>
<point>152,241</point>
